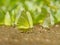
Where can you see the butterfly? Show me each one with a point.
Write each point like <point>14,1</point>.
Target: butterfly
<point>24,20</point>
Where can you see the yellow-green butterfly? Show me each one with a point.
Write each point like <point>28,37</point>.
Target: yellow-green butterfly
<point>7,20</point>
<point>24,20</point>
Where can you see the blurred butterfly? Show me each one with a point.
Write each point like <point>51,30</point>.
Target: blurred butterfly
<point>24,20</point>
<point>7,20</point>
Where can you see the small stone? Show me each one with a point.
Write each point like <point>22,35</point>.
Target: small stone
<point>31,40</point>
<point>56,25</point>
<point>37,39</point>
<point>16,40</point>
<point>47,40</point>
<point>26,39</point>
<point>5,38</point>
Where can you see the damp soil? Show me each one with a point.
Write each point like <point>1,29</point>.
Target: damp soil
<point>35,36</point>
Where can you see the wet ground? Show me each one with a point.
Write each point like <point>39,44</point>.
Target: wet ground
<point>35,36</point>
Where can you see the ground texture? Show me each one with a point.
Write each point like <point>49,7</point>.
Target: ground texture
<point>35,36</point>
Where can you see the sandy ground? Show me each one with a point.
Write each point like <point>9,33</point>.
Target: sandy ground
<point>35,36</point>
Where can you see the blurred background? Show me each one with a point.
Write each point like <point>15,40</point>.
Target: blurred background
<point>26,13</point>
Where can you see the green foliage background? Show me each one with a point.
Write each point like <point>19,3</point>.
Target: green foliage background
<point>26,13</point>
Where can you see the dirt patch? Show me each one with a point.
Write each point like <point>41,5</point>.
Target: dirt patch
<point>35,36</point>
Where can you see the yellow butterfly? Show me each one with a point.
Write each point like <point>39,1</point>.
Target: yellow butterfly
<point>24,20</point>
